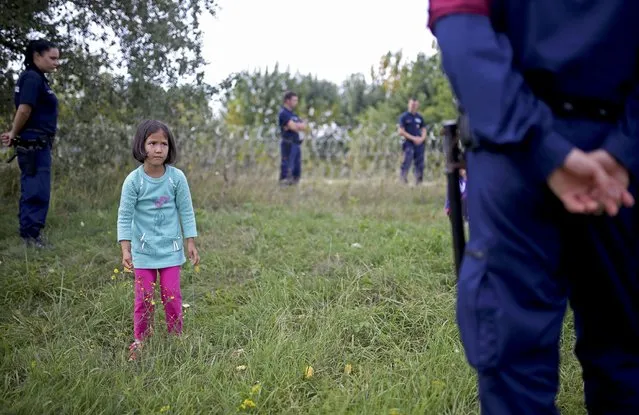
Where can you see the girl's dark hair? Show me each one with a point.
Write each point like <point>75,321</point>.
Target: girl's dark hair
<point>40,46</point>
<point>145,129</point>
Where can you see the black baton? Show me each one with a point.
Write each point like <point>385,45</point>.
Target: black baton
<point>453,164</point>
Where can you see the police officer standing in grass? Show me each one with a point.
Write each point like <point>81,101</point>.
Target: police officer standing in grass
<point>412,129</point>
<point>551,89</point>
<point>291,146</point>
<point>32,134</point>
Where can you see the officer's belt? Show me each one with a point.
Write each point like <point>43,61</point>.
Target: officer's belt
<point>36,143</point>
<point>583,107</point>
<point>545,87</point>
<point>22,144</point>
<point>291,140</point>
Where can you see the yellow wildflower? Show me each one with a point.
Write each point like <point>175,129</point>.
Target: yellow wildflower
<point>115,271</point>
<point>348,369</point>
<point>247,404</point>
<point>113,277</point>
<point>33,364</point>
<point>308,372</point>
<point>165,408</point>
<point>197,268</point>
<point>152,302</point>
<point>256,389</point>
<point>394,411</point>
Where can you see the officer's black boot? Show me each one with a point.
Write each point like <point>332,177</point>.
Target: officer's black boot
<point>38,242</point>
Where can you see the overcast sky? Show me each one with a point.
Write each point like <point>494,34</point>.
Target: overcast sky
<point>329,38</point>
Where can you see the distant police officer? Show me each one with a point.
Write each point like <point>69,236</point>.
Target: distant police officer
<point>291,146</point>
<point>413,130</point>
<point>32,134</point>
<point>551,89</point>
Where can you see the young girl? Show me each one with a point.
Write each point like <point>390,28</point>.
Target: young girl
<point>155,201</point>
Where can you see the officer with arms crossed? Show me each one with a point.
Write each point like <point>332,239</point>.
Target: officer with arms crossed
<point>291,145</point>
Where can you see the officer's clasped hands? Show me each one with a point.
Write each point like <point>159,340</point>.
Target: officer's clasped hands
<point>591,183</point>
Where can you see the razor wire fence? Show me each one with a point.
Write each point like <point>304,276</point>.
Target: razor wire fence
<point>328,151</point>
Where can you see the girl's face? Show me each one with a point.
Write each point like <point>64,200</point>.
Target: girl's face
<point>156,146</point>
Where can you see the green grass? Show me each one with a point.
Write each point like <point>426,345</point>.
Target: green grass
<point>282,286</point>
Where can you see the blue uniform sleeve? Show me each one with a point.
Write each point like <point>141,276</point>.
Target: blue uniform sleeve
<point>128,200</point>
<point>185,206</point>
<point>30,89</point>
<point>502,110</point>
<point>623,143</point>
<point>402,121</point>
<point>285,117</point>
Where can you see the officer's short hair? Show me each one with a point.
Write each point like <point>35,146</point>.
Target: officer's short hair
<point>288,95</point>
<point>145,129</point>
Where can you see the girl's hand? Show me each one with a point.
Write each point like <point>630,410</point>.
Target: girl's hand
<point>127,260</point>
<point>192,251</point>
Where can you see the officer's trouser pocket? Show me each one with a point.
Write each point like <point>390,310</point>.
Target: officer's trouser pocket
<point>478,307</point>
<point>27,161</point>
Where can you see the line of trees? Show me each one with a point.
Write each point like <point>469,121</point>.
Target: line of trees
<point>124,60</point>
<point>254,98</point>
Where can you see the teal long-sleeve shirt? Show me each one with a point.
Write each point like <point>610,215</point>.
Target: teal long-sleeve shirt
<point>150,214</point>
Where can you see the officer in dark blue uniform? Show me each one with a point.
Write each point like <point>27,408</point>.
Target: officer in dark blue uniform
<point>413,130</point>
<point>551,89</point>
<point>291,145</point>
<point>32,134</point>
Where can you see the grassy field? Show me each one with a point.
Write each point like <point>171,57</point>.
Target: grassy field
<point>332,275</point>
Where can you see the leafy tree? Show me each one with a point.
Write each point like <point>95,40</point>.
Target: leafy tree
<point>255,99</point>
<point>358,96</point>
<point>422,79</point>
<point>149,43</point>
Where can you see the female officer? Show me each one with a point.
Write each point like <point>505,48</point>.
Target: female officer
<point>34,128</point>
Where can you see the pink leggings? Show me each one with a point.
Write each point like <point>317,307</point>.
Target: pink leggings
<point>144,303</point>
